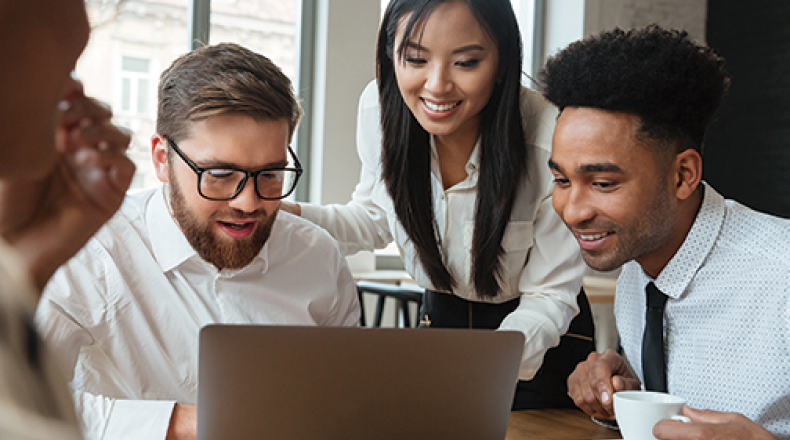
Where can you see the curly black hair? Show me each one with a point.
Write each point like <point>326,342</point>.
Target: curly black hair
<point>674,85</point>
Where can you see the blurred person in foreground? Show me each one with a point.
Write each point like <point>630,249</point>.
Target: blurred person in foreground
<point>63,173</point>
<point>207,246</point>
<point>705,280</point>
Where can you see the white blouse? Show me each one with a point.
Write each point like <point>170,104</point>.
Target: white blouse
<point>542,262</point>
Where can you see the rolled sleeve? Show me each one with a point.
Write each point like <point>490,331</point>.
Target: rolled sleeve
<point>138,419</point>
<point>361,224</point>
<point>549,285</point>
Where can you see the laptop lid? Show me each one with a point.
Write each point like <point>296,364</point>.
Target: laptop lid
<point>352,383</point>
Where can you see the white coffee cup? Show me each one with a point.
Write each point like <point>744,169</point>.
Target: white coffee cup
<point>638,411</point>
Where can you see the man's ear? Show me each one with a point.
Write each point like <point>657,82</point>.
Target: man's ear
<point>159,149</point>
<point>687,170</point>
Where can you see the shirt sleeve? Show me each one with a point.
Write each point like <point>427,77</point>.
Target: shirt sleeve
<point>66,326</point>
<point>552,278</point>
<point>549,285</point>
<point>348,310</point>
<point>121,419</point>
<point>360,224</point>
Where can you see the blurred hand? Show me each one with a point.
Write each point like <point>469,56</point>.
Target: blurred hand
<point>291,207</point>
<point>49,218</point>
<point>711,425</point>
<point>594,382</point>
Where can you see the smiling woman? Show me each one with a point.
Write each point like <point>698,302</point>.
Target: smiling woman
<point>453,153</point>
<point>447,79</point>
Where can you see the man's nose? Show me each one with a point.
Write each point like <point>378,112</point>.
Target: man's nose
<point>247,200</point>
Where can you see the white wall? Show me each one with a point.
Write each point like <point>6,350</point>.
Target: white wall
<point>345,57</point>
<point>564,24</point>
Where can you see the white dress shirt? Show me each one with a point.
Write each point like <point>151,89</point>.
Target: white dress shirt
<point>34,399</point>
<point>542,261</point>
<point>126,311</point>
<point>727,319</point>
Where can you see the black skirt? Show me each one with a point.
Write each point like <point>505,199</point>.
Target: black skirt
<point>549,387</point>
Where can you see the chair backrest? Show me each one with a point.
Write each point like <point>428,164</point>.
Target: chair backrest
<point>403,295</point>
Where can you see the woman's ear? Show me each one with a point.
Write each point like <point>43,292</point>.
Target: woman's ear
<point>159,149</point>
<point>688,173</point>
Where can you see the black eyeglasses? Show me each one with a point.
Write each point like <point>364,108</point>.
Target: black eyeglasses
<point>225,183</point>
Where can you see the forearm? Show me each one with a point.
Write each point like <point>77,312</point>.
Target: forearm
<point>542,319</point>
<point>355,227</point>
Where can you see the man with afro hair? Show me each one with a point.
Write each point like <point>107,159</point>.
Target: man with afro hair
<point>627,161</point>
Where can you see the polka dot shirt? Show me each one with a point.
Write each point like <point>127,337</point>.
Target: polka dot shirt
<point>727,320</point>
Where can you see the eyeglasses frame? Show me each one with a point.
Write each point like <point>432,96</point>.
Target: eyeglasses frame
<point>247,174</point>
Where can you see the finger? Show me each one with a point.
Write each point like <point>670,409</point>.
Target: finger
<point>676,430</point>
<point>601,379</point>
<point>83,110</point>
<point>709,416</point>
<point>73,88</point>
<point>102,137</point>
<point>120,174</point>
<point>102,178</point>
<point>583,389</point>
<point>621,383</point>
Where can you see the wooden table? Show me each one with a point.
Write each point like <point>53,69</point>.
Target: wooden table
<point>556,424</point>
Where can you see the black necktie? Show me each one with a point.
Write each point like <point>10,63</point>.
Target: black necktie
<point>654,367</point>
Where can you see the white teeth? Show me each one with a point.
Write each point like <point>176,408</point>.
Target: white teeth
<point>440,107</point>
<point>594,236</point>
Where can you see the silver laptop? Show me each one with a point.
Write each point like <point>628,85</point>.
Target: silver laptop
<point>327,383</point>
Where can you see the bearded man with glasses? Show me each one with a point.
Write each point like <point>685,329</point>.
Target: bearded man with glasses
<point>208,246</point>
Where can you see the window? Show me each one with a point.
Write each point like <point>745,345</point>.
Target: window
<point>268,27</point>
<point>132,41</point>
<point>135,86</point>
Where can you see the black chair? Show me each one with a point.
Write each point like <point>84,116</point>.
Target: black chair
<point>403,296</point>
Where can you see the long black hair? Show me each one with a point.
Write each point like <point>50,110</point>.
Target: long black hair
<point>406,151</point>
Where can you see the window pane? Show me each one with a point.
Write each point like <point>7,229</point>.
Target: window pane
<point>268,27</point>
<point>126,95</point>
<point>142,97</point>
<point>138,65</point>
<point>131,42</point>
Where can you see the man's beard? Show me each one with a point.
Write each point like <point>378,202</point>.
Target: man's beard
<point>222,252</point>
<point>649,232</point>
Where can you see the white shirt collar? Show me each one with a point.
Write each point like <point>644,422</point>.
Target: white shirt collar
<point>695,249</point>
<point>170,246</point>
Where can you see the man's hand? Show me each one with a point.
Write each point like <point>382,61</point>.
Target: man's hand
<point>49,218</point>
<point>183,423</point>
<point>594,381</point>
<point>711,425</point>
